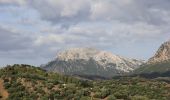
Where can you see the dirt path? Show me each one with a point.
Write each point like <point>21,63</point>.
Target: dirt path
<point>3,92</point>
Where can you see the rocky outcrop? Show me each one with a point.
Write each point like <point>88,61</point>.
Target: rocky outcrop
<point>90,61</point>
<point>163,54</point>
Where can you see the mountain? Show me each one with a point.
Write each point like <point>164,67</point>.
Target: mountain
<point>91,62</point>
<point>163,54</point>
<point>159,63</point>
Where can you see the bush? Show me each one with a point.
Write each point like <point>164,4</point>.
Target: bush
<point>111,97</point>
<point>50,86</point>
<point>86,84</point>
<point>6,80</point>
<point>7,85</point>
<point>105,93</point>
<point>97,95</point>
<point>121,95</point>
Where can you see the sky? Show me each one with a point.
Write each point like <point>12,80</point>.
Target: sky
<point>34,31</point>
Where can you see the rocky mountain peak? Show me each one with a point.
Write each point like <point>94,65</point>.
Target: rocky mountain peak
<point>77,53</point>
<point>91,61</point>
<point>86,53</point>
<point>163,53</point>
<point>92,53</point>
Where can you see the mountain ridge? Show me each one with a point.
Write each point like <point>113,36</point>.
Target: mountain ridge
<point>91,61</point>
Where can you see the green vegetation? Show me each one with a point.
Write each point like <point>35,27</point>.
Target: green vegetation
<point>24,82</point>
<point>157,67</point>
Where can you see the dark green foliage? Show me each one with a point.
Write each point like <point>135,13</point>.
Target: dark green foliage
<point>86,83</point>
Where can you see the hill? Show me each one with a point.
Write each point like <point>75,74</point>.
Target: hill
<point>160,67</point>
<point>25,82</point>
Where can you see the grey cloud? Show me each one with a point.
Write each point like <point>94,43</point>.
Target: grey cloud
<point>65,12</point>
<point>19,48</point>
<point>68,12</point>
<point>13,41</point>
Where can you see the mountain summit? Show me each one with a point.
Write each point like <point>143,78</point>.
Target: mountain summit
<point>91,62</point>
<point>163,53</point>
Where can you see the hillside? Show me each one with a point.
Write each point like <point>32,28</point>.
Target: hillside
<point>160,67</point>
<point>91,62</point>
<point>24,82</point>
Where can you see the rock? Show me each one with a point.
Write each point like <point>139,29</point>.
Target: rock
<point>163,54</point>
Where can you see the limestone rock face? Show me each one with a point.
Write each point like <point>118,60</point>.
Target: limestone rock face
<point>163,53</point>
<point>90,61</point>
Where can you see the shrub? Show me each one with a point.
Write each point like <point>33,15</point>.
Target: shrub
<point>111,97</point>
<point>86,84</point>
<point>7,85</point>
<point>105,93</point>
<point>121,95</point>
<point>97,95</point>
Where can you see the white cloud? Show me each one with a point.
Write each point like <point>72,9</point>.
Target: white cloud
<point>101,9</point>
<point>70,8</point>
<point>49,39</point>
<point>17,2</point>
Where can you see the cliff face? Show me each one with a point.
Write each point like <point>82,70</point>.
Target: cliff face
<point>163,54</point>
<point>90,61</point>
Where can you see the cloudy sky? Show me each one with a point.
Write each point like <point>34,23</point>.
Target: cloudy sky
<point>33,31</point>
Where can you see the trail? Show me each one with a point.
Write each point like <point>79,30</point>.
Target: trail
<point>3,92</point>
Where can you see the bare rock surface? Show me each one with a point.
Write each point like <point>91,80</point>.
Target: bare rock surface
<point>163,53</point>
